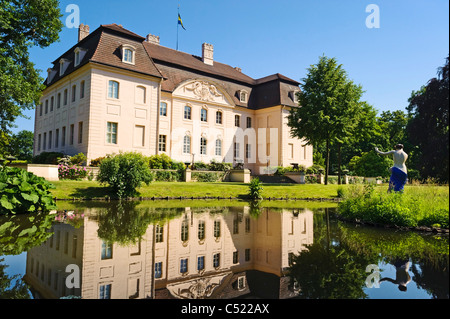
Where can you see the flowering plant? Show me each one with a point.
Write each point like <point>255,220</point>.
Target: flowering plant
<point>72,172</point>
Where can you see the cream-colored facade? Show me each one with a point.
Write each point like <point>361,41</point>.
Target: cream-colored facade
<point>106,105</point>
<point>198,254</point>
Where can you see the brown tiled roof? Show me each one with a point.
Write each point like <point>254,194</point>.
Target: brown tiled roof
<point>163,54</point>
<point>103,46</point>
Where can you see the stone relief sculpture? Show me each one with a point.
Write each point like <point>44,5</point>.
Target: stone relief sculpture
<point>204,90</point>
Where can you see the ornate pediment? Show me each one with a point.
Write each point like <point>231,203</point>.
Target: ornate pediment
<point>198,288</point>
<point>202,91</point>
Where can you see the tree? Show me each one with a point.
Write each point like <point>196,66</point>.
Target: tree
<point>23,24</point>
<point>428,128</point>
<point>21,145</point>
<point>329,104</point>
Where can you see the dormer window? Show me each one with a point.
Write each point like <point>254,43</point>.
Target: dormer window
<point>79,55</point>
<point>128,53</point>
<point>243,96</point>
<point>63,64</point>
<point>294,95</point>
<point>51,74</point>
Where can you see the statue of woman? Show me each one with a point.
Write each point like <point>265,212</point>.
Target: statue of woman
<point>399,173</point>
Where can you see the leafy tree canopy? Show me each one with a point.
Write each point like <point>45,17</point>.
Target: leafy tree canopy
<point>23,24</point>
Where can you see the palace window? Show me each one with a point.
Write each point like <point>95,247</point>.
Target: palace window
<point>203,146</point>
<point>106,250</point>
<point>237,120</point>
<point>187,112</point>
<point>217,228</point>
<point>128,54</point>
<point>248,151</point>
<point>158,270</point>
<point>66,96</point>
<point>162,143</point>
<point>111,133</point>
<point>243,96</point>
<point>80,132</point>
<point>249,122</point>
<point>219,116</point>
<point>184,265</point>
<point>113,90</point>
<point>105,291</point>
<point>236,150</point>
<point>203,115</point>
<point>72,132</point>
<point>216,260</point>
<point>218,147</point>
<point>200,263</point>
<point>74,92</point>
<point>163,109</point>
<point>159,233</point>
<point>201,229</point>
<point>82,85</point>
<point>185,230</point>
<point>186,144</point>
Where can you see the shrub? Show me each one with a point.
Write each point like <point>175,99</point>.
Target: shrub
<point>96,162</point>
<point>24,192</point>
<point>125,172</point>
<point>255,189</point>
<point>205,176</point>
<point>48,158</point>
<point>162,161</point>
<point>71,172</point>
<point>78,159</point>
<point>219,166</point>
<point>167,175</point>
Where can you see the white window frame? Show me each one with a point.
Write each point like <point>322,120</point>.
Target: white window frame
<point>128,48</point>
<point>112,92</point>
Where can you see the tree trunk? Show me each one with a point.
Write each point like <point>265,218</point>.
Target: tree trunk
<point>327,161</point>
<point>339,164</point>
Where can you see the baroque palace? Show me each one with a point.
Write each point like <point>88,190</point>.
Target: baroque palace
<point>117,91</point>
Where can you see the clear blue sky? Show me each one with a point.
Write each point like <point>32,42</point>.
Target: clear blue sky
<point>264,37</point>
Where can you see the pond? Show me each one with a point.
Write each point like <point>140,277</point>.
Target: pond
<point>214,250</point>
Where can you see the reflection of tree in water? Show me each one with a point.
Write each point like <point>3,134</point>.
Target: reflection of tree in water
<point>125,223</point>
<point>12,287</point>
<point>19,233</point>
<point>334,266</point>
<point>429,254</point>
<point>432,279</point>
<point>329,272</point>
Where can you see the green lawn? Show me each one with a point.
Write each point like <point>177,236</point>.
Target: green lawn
<point>93,189</point>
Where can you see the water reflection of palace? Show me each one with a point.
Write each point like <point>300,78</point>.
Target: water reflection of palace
<point>199,254</point>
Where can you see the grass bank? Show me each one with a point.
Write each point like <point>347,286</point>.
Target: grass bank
<point>418,206</point>
<point>91,189</point>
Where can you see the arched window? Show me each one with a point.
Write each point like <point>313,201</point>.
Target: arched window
<point>113,90</point>
<point>219,117</point>
<point>203,146</point>
<point>128,53</point>
<point>203,115</point>
<point>187,144</point>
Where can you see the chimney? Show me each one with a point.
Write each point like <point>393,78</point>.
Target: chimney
<point>83,32</point>
<point>208,53</point>
<point>153,39</point>
<point>238,69</point>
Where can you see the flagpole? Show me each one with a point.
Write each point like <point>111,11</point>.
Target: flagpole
<point>178,24</point>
